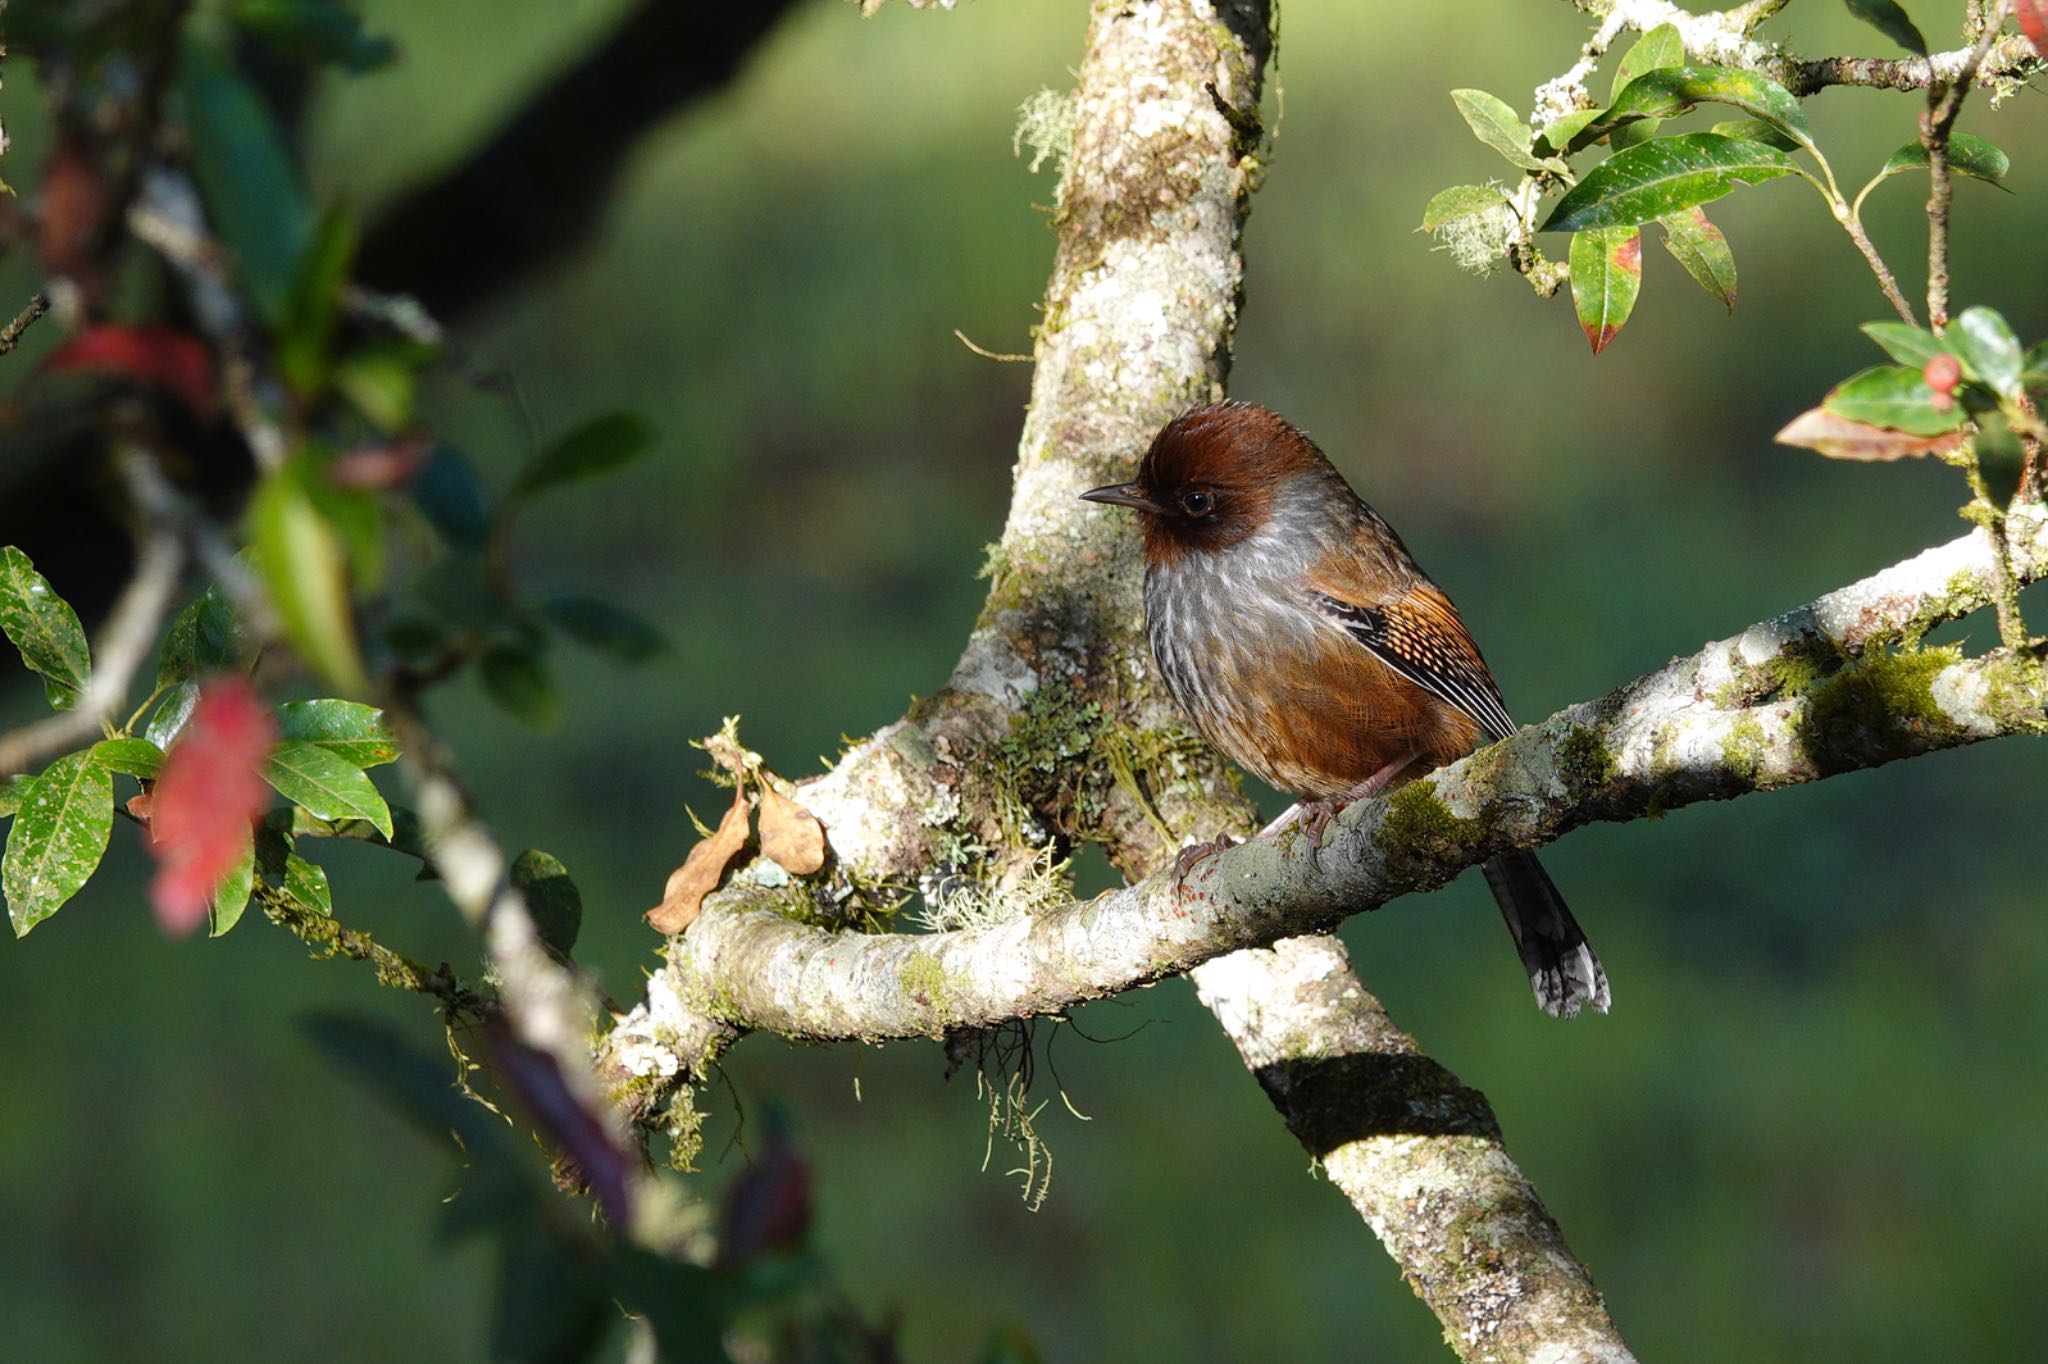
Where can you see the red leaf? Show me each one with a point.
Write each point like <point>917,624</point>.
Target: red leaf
<point>209,795</point>
<point>2032,17</point>
<point>379,468</point>
<point>767,1207</point>
<point>160,357</point>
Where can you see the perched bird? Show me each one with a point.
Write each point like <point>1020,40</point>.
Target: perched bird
<point>1295,629</point>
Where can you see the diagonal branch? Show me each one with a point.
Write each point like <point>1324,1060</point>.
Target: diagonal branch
<point>1809,694</point>
<point>1418,1153</point>
<point>540,182</point>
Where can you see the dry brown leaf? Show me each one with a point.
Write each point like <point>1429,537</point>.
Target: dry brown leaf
<point>790,834</point>
<point>701,870</point>
<point>1839,438</point>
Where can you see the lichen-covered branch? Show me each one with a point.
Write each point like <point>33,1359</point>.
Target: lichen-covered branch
<point>1838,685</point>
<point>1417,1152</point>
<point>1726,38</point>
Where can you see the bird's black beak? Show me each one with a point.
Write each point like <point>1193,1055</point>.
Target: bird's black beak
<point>1122,495</point>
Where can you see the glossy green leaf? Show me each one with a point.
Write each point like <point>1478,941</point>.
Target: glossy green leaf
<point>301,559</point>
<point>1695,243</point>
<point>313,31</point>
<point>44,628</point>
<point>1670,91</point>
<point>349,730</point>
<point>519,681</point>
<point>57,838</point>
<point>1894,397</point>
<point>1887,18</point>
<point>253,194</point>
<point>1661,47</point>
<point>1500,128</point>
<point>167,721</point>
<point>132,757</point>
<point>231,896</point>
<point>596,448</point>
<point>451,496</point>
<point>280,867</point>
<point>1559,134</point>
<point>1663,177</point>
<point>1607,272</point>
<point>1988,349</point>
<point>329,787</point>
<point>1967,155</point>
<point>12,789</point>
<point>1907,344</point>
<point>598,624</point>
<point>1755,130</point>
<point>551,898</point>
<point>205,638</point>
<point>1459,202</point>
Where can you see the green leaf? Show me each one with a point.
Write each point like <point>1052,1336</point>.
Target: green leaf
<point>1887,18</point>
<point>313,31</point>
<point>1755,130</point>
<point>606,628</point>
<point>1661,47</point>
<point>44,628</point>
<point>1673,90</point>
<point>1558,135</point>
<point>12,790</point>
<point>57,839</point>
<point>2037,365</point>
<point>231,896</point>
<point>1695,243</point>
<point>1894,397</point>
<point>1988,349</point>
<point>133,757</point>
<point>349,730</point>
<point>1460,202</point>
<point>253,194</point>
<point>301,560</point>
<point>282,869</point>
<point>205,638</point>
<point>593,449</point>
<point>305,342</point>
<point>1607,271</point>
<point>383,382</point>
<point>1663,177</point>
<point>519,681</point>
<point>167,722</point>
<point>1906,343</point>
<point>551,897</point>
<point>451,496</point>
<point>1500,128</point>
<point>1967,155</point>
<point>329,787</point>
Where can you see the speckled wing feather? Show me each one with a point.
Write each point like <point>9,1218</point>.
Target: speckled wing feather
<point>1417,633</point>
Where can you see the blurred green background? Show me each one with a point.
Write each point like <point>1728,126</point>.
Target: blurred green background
<point>1809,1131</point>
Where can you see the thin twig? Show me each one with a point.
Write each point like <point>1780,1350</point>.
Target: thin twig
<point>10,335</point>
<point>1886,281</point>
<point>1944,104</point>
<point>123,644</point>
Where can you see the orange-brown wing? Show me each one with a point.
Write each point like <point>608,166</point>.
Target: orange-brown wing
<point>1413,629</point>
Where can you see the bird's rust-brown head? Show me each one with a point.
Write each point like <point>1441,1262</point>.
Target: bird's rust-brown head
<point>1210,478</point>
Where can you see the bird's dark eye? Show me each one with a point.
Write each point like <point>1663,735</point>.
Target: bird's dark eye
<point>1197,502</point>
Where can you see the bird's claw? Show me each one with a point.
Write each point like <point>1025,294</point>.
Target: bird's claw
<point>1184,861</point>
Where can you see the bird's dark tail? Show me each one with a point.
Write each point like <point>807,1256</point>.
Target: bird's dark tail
<point>1563,971</point>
